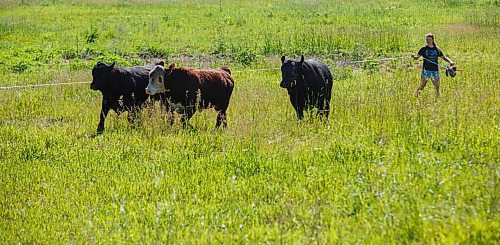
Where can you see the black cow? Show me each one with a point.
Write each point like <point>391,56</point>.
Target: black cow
<point>309,84</point>
<point>123,89</point>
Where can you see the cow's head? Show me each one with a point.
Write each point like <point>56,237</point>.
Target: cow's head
<point>157,79</point>
<point>101,74</point>
<point>290,72</point>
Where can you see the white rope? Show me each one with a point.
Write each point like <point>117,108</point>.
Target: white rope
<point>40,85</point>
<point>373,60</point>
<point>264,69</point>
<point>430,61</point>
<point>241,71</point>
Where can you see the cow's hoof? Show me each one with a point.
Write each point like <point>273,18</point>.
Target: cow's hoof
<point>93,135</point>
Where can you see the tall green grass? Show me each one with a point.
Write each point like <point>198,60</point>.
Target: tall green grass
<point>76,34</point>
<point>386,168</point>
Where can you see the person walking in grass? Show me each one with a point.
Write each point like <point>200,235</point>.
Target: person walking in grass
<point>430,68</point>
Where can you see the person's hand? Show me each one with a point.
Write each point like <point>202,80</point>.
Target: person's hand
<point>452,63</point>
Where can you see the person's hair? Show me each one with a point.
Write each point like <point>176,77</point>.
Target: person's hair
<point>433,42</point>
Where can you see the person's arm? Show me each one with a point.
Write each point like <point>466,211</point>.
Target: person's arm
<point>418,55</point>
<point>448,60</point>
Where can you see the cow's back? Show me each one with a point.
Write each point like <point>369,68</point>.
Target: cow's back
<point>215,86</point>
<point>138,76</point>
<point>131,83</point>
<point>317,75</point>
<point>217,78</point>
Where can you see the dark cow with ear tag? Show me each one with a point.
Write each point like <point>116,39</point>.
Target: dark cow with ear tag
<point>309,85</point>
<point>122,89</point>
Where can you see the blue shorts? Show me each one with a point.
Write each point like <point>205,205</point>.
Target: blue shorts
<point>430,74</point>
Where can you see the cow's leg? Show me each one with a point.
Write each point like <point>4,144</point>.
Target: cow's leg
<point>170,116</point>
<point>188,113</point>
<point>321,106</point>
<point>131,107</point>
<point>134,114</point>
<point>134,103</point>
<point>131,115</point>
<point>104,112</point>
<point>300,113</point>
<point>328,99</point>
<point>221,119</point>
<point>299,107</point>
<point>327,107</point>
<point>221,114</point>
<point>170,112</point>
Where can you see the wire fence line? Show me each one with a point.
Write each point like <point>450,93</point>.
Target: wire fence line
<point>239,71</point>
<point>40,85</point>
<point>256,70</point>
<point>372,60</point>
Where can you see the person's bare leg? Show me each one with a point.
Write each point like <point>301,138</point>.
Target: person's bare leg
<point>422,86</point>
<point>436,82</point>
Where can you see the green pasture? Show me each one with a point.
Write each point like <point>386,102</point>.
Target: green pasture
<point>386,168</point>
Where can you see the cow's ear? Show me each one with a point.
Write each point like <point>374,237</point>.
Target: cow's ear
<point>302,59</point>
<point>171,66</point>
<point>282,59</point>
<point>161,63</point>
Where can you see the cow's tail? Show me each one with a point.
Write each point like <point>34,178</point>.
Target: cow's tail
<point>226,69</point>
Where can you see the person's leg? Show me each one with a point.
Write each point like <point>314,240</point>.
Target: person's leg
<point>436,81</point>
<point>423,82</point>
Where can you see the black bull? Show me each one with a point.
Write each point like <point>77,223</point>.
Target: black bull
<point>123,89</point>
<point>309,84</point>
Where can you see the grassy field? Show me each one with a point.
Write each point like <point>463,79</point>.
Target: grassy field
<point>386,168</point>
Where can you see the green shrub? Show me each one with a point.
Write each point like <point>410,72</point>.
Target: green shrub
<point>152,51</point>
<point>91,35</point>
<point>70,53</point>
<point>19,67</point>
<point>77,64</point>
<point>245,57</point>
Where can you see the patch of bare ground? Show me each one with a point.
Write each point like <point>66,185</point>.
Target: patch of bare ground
<point>459,28</point>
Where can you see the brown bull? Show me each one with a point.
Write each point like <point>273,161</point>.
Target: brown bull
<point>189,89</point>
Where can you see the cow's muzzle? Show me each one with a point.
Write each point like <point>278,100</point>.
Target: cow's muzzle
<point>290,84</point>
<point>149,91</point>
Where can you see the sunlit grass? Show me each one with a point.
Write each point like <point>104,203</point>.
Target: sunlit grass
<point>386,168</point>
